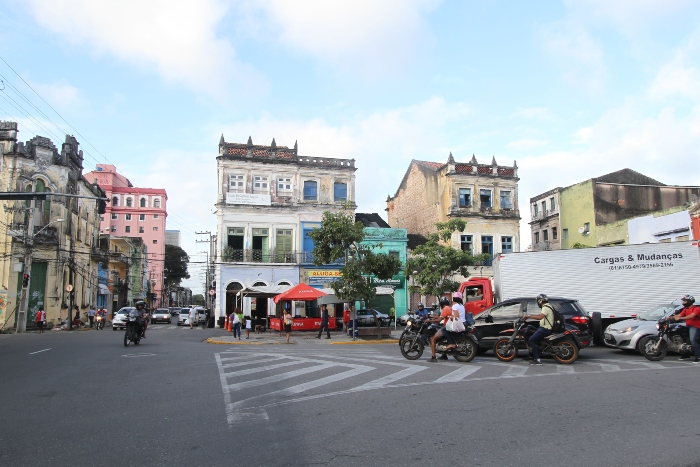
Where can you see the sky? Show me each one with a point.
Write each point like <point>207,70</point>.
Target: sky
<point>570,90</point>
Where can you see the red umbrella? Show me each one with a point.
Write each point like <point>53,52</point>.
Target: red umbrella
<point>302,292</point>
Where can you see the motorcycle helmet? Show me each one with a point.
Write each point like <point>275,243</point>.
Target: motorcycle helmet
<point>444,301</point>
<point>140,304</point>
<point>542,299</point>
<point>688,298</point>
<point>420,305</point>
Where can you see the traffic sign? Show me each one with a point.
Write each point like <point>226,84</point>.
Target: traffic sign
<point>69,288</point>
<point>212,292</point>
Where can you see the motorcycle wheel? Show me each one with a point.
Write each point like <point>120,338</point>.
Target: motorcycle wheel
<point>504,350</point>
<point>411,350</point>
<point>646,347</point>
<point>470,348</point>
<point>565,352</point>
<point>126,339</point>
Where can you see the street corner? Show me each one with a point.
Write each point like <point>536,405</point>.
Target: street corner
<point>218,341</point>
<point>366,342</point>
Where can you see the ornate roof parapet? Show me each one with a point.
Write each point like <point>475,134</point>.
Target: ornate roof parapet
<point>277,153</point>
<point>493,169</point>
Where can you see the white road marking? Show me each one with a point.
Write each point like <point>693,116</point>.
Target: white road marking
<point>565,369</point>
<point>39,351</point>
<point>277,378</point>
<point>261,369</point>
<point>515,371</point>
<point>388,379</point>
<point>458,375</point>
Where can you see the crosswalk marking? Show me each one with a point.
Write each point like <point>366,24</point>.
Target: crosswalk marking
<point>406,372</point>
<point>458,375</point>
<point>277,378</point>
<point>514,371</point>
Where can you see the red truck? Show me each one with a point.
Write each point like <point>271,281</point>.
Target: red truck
<point>477,294</point>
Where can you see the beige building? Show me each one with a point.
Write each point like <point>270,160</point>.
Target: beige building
<point>545,225</point>
<point>65,228</point>
<point>483,195</point>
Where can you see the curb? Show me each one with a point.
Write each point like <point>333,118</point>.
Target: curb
<point>219,342</point>
<point>383,341</point>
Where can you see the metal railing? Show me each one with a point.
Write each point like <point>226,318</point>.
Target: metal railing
<point>271,255</point>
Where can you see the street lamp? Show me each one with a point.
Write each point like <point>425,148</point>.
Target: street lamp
<point>24,302</point>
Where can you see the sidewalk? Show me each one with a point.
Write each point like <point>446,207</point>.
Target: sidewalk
<point>300,338</point>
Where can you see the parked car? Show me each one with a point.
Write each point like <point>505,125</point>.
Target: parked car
<point>201,314</point>
<point>366,318</point>
<point>184,318</point>
<point>119,320</point>
<point>161,315</point>
<point>175,310</point>
<point>501,317</point>
<point>625,335</point>
<point>401,320</point>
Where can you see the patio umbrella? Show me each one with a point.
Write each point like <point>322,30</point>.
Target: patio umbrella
<point>301,292</point>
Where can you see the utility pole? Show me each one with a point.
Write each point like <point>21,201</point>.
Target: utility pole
<point>28,242</point>
<point>207,280</point>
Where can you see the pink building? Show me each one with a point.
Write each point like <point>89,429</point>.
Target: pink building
<point>135,212</point>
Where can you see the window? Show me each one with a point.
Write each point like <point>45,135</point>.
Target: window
<point>284,246</point>
<point>156,203</point>
<point>506,244</point>
<point>554,233</point>
<point>235,182</point>
<point>340,191</point>
<point>143,202</point>
<point>127,217</point>
<point>506,201</point>
<point>544,207</point>
<point>115,216</point>
<point>141,229</point>
<point>260,183</point>
<point>114,228</point>
<point>155,216</point>
<point>102,218</point>
<point>155,229</point>
<point>155,242</point>
<point>310,190</point>
<point>537,237</point>
<point>545,235</point>
<point>127,229</point>
<point>565,233</point>
<point>506,311</point>
<point>395,254</point>
<point>535,209</point>
<point>128,202</point>
<point>552,206</point>
<point>284,184</point>
<point>115,201</point>
<point>465,197</point>
<point>142,217</point>
<point>466,243</point>
<point>487,244</point>
<point>485,198</point>
<point>235,238</point>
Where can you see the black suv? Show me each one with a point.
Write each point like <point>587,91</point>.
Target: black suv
<point>492,322</point>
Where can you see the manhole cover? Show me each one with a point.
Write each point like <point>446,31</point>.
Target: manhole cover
<point>139,355</point>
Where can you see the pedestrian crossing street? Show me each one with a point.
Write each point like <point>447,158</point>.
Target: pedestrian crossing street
<point>253,380</point>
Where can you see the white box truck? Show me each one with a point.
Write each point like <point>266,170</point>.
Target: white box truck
<point>617,282</point>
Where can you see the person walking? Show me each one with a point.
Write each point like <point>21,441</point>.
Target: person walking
<point>40,319</point>
<point>91,315</point>
<point>288,324</point>
<point>192,317</point>
<point>248,324</point>
<point>324,322</point>
<point>236,321</point>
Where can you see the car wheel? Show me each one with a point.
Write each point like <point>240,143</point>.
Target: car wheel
<point>113,328</point>
<point>597,328</point>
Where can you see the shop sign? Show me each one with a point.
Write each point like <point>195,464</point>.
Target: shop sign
<point>248,198</point>
<point>323,276</point>
<point>397,282</point>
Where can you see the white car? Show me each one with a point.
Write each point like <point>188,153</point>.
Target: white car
<point>201,314</point>
<point>184,318</point>
<point>119,320</point>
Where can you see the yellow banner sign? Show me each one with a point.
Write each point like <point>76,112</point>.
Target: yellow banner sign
<point>324,273</point>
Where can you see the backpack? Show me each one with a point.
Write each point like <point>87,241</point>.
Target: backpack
<point>559,324</point>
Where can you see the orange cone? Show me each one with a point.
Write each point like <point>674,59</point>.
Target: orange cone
<point>227,326</point>
<point>230,327</point>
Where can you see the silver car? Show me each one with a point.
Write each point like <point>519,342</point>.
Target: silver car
<point>625,335</point>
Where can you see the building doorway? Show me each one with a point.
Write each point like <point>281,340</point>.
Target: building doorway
<point>232,299</point>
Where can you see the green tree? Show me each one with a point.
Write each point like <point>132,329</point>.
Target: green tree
<point>198,299</point>
<point>434,264</point>
<point>175,265</point>
<point>338,238</point>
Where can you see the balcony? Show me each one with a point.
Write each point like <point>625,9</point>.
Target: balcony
<point>544,214</point>
<point>250,255</point>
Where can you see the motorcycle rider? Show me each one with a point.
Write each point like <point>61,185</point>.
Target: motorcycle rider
<point>445,314</point>
<point>421,312</point>
<point>141,311</point>
<point>546,318</point>
<point>691,316</point>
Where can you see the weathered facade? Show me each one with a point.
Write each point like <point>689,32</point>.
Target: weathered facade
<point>484,195</point>
<point>545,228</point>
<point>595,212</point>
<point>269,199</point>
<point>66,229</point>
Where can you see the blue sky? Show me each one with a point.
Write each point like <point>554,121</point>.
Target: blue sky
<point>570,89</point>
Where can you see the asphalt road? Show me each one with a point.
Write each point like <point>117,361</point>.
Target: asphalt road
<point>82,398</point>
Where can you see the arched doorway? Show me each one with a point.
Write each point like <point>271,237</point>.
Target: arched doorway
<point>232,300</point>
<point>258,306</point>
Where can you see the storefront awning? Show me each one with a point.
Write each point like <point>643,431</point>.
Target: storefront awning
<point>102,289</point>
<point>331,298</point>
<point>266,291</point>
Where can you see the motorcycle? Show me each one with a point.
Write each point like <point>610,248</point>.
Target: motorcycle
<point>672,336</point>
<point>134,327</point>
<point>562,346</point>
<point>99,322</point>
<point>418,334</point>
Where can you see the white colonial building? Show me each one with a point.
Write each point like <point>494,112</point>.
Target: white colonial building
<point>269,199</point>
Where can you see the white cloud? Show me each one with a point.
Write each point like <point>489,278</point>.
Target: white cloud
<point>344,33</point>
<point>524,144</point>
<point>175,38</point>
<point>680,76</point>
<point>532,113</point>
<point>62,96</point>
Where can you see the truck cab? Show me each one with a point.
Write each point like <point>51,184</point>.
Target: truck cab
<point>477,295</point>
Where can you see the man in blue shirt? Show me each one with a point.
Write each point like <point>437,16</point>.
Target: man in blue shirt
<point>421,312</point>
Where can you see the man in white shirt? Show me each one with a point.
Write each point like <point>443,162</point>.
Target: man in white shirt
<point>192,317</point>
